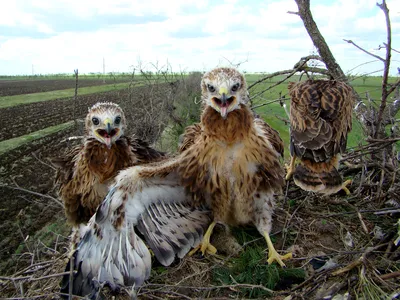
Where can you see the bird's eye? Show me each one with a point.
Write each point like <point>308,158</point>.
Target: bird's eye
<point>95,121</point>
<point>117,120</point>
<point>211,88</point>
<point>235,87</point>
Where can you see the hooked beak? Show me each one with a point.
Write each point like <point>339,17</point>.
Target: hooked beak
<point>224,106</point>
<point>107,138</point>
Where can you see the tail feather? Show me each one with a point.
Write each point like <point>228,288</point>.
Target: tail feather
<point>318,180</point>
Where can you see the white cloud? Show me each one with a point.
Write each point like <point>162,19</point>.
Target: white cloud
<point>193,35</point>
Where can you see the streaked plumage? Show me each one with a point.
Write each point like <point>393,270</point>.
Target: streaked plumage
<point>228,172</point>
<point>320,118</point>
<point>86,171</point>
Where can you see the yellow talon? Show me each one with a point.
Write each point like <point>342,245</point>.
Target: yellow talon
<point>205,245</point>
<point>273,255</point>
<point>344,186</point>
<point>290,167</point>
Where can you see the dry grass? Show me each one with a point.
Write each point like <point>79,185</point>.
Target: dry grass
<point>341,244</point>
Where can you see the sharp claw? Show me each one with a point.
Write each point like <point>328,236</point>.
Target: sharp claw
<point>279,258</point>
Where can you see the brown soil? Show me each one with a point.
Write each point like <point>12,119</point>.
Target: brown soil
<point>19,87</point>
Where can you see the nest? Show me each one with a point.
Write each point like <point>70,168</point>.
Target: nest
<point>343,246</point>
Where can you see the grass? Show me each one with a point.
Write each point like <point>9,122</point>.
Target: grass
<point>11,144</point>
<point>272,112</point>
<point>251,268</point>
<point>8,101</point>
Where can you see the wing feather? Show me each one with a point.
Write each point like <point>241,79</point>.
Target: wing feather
<point>270,134</point>
<point>187,139</point>
<point>320,118</point>
<point>146,201</point>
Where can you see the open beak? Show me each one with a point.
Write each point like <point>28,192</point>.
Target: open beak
<point>107,138</point>
<point>107,132</point>
<point>224,106</point>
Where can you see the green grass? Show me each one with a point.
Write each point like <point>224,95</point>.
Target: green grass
<point>371,85</point>
<point>8,101</point>
<point>251,268</point>
<point>11,144</point>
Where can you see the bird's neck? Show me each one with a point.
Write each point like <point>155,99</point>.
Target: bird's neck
<point>234,128</point>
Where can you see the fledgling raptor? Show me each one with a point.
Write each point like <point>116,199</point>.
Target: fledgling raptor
<point>320,119</point>
<point>85,173</point>
<point>228,172</point>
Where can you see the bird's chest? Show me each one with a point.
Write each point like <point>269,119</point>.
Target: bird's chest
<point>231,168</point>
<point>232,163</point>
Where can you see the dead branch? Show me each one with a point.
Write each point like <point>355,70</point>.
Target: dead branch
<point>363,50</point>
<point>322,47</point>
<point>390,275</point>
<point>385,94</point>
<point>33,193</point>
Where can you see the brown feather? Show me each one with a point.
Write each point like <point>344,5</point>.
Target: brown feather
<point>228,163</point>
<point>86,172</point>
<point>320,118</point>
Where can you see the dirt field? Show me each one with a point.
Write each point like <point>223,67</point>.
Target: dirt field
<point>342,243</point>
<point>22,214</point>
<point>19,87</point>
<point>23,119</point>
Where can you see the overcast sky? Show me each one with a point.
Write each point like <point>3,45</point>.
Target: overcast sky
<point>57,36</point>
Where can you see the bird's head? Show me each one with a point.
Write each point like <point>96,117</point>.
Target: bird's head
<point>105,122</point>
<point>224,89</point>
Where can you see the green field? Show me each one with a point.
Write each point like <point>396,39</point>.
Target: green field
<point>11,144</point>
<point>8,101</point>
<point>272,112</point>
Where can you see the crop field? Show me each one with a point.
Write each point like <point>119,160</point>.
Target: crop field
<point>31,133</point>
<point>36,120</point>
<point>18,87</point>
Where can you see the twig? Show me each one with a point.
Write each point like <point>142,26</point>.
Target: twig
<point>214,287</point>
<point>363,50</point>
<point>375,211</point>
<point>71,277</point>
<point>32,192</point>
<point>382,106</point>
<point>31,278</point>
<point>390,275</point>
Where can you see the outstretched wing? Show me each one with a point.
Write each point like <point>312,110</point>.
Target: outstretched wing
<point>320,118</point>
<point>148,201</point>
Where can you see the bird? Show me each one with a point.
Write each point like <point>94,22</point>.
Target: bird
<point>86,171</point>
<point>228,171</point>
<point>320,120</point>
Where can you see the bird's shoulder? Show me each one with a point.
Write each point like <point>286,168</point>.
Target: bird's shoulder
<point>188,138</point>
<point>270,134</point>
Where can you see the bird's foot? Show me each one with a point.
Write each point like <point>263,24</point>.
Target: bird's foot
<point>344,186</point>
<point>275,256</point>
<point>205,245</point>
<point>289,171</point>
<point>290,168</point>
<point>204,248</point>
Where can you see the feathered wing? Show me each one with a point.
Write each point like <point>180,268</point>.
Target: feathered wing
<point>146,201</point>
<point>320,118</point>
<point>270,134</point>
<point>187,139</point>
<point>143,152</point>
